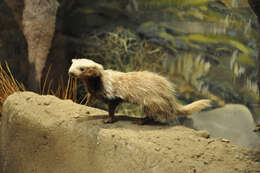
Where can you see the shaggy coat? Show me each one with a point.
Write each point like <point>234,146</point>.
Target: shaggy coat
<point>152,91</point>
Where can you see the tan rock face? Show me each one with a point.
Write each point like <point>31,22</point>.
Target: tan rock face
<point>37,19</point>
<point>232,121</point>
<point>45,134</point>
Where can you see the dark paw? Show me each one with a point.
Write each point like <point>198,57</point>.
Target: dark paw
<point>139,122</point>
<point>142,121</point>
<point>109,120</point>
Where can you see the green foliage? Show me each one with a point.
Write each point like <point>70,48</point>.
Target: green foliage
<point>246,60</point>
<point>167,3</point>
<point>238,62</point>
<point>220,39</point>
<point>186,72</point>
<point>168,37</point>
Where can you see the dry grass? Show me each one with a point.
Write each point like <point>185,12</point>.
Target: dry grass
<point>8,86</point>
<point>122,50</point>
<point>63,91</point>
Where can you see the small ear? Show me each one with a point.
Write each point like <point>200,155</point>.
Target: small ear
<point>73,60</point>
<point>92,72</point>
<point>100,66</point>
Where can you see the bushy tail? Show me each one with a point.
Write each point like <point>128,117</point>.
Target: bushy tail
<point>193,107</point>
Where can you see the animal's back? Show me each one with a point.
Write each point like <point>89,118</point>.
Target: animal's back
<point>146,88</point>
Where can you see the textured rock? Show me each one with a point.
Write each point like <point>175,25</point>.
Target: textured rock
<point>45,134</point>
<point>233,122</point>
<point>37,19</point>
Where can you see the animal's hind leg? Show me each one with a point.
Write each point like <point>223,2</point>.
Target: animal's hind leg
<point>145,120</point>
<point>111,108</point>
<point>142,121</point>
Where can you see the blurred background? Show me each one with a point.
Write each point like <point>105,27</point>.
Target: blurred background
<point>207,48</point>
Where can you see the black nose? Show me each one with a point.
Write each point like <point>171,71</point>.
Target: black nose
<point>71,74</point>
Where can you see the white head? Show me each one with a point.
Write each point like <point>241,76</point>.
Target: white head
<point>80,66</point>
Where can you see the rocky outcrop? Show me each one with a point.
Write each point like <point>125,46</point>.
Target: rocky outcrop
<point>37,19</point>
<point>233,122</point>
<point>45,134</point>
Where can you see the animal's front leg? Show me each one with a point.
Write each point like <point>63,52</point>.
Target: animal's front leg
<point>90,99</point>
<point>111,108</point>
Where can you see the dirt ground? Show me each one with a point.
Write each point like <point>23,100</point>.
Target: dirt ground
<point>190,150</point>
<point>77,135</point>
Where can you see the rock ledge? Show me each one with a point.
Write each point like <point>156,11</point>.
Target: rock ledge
<point>45,134</point>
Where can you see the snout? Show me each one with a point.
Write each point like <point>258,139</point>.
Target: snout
<point>72,74</point>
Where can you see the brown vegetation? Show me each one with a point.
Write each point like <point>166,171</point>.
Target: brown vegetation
<point>8,86</point>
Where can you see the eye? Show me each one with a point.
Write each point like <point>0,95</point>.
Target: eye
<point>81,69</point>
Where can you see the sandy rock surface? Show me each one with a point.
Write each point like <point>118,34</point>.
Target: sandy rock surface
<point>45,134</point>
